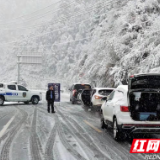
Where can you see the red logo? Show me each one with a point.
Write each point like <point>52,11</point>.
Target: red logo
<point>145,146</point>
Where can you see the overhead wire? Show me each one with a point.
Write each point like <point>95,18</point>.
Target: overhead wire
<point>13,20</point>
<point>48,32</point>
<point>44,14</point>
<point>81,12</point>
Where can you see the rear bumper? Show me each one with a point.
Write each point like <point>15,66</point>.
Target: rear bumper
<point>97,105</point>
<point>139,128</point>
<point>75,99</point>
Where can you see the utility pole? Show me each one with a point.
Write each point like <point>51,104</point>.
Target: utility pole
<point>18,63</point>
<point>27,59</point>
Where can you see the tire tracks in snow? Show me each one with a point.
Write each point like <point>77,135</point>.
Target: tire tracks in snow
<point>120,148</point>
<point>87,141</point>
<point>66,144</point>
<point>11,134</point>
<point>50,142</point>
<point>59,128</point>
<point>35,146</point>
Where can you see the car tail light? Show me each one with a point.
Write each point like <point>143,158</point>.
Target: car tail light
<point>74,92</point>
<point>132,76</point>
<point>97,97</point>
<point>124,108</point>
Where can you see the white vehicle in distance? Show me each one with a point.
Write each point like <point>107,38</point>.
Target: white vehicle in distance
<point>94,97</point>
<point>97,94</point>
<point>13,92</point>
<point>133,108</point>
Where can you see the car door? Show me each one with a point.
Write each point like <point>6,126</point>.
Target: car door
<point>107,106</point>
<point>71,92</point>
<point>86,97</point>
<point>22,93</point>
<point>92,95</point>
<point>11,92</point>
<point>117,99</point>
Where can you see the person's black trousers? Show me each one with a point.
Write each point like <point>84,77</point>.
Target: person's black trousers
<point>50,104</point>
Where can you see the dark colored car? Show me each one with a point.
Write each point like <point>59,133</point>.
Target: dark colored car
<point>76,89</point>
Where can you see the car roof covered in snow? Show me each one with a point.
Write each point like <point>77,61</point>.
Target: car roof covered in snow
<point>97,88</point>
<point>81,83</point>
<point>10,83</point>
<point>122,87</point>
<point>147,74</point>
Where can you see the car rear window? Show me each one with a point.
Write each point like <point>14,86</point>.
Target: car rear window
<point>104,92</point>
<point>1,85</point>
<point>145,82</point>
<point>82,86</point>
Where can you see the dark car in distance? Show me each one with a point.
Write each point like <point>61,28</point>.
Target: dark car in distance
<point>76,89</point>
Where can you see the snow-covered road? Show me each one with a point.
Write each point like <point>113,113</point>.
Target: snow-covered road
<point>28,132</point>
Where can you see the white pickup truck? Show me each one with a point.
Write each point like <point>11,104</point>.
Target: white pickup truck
<point>13,92</point>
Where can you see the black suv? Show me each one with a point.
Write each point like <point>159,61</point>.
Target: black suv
<point>76,89</point>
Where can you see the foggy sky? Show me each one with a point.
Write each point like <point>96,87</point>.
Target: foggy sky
<point>11,9</point>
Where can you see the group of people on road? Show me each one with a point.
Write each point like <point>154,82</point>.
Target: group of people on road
<point>50,97</point>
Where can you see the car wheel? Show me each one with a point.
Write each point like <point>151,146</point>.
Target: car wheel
<point>35,100</point>
<point>91,105</point>
<point>1,101</point>
<point>103,125</point>
<point>26,102</point>
<point>116,133</point>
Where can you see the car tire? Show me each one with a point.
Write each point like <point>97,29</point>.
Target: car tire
<point>1,101</point>
<point>91,106</point>
<point>26,102</point>
<point>73,102</point>
<point>117,134</point>
<point>35,100</point>
<point>103,125</point>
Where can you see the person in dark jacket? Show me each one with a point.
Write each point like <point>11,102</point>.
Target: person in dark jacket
<point>50,97</point>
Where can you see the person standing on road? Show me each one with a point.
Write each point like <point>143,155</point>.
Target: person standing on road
<point>50,97</point>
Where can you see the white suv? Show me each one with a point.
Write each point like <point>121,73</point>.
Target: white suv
<point>133,108</point>
<point>14,92</point>
<point>97,94</point>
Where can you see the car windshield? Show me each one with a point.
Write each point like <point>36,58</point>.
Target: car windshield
<point>146,82</point>
<point>1,85</point>
<point>82,86</point>
<point>105,92</point>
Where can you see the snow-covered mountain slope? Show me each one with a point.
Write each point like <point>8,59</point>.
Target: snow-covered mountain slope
<point>101,42</point>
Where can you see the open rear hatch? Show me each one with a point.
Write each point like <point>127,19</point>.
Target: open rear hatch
<point>78,88</point>
<point>86,97</point>
<point>144,97</point>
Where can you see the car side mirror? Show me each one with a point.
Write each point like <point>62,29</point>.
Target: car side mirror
<point>104,99</point>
